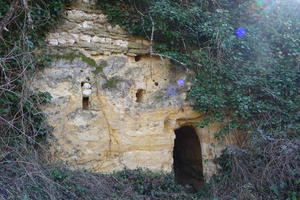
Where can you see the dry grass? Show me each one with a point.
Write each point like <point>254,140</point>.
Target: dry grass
<point>269,172</point>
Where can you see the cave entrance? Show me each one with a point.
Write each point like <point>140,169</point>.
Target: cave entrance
<point>187,158</point>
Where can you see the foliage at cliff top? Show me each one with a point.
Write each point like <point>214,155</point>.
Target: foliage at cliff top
<point>246,55</point>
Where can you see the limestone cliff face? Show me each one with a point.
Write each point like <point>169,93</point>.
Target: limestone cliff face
<point>113,105</point>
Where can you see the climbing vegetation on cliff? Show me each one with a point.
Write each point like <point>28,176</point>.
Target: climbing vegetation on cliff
<point>246,55</point>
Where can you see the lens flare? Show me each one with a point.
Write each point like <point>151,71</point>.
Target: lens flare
<point>259,8</point>
<point>261,2</point>
<point>241,32</point>
<point>264,2</point>
<point>180,82</point>
<point>171,91</point>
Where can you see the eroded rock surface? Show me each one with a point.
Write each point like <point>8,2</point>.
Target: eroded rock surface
<point>110,110</point>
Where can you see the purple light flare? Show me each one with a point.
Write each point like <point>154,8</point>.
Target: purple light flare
<point>240,32</point>
<point>171,92</point>
<point>180,82</point>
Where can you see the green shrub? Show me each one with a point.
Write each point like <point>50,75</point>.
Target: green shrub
<point>111,83</point>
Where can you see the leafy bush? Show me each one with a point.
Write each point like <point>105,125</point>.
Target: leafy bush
<point>256,84</point>
<point>34,180</point>
<point>155,185</point>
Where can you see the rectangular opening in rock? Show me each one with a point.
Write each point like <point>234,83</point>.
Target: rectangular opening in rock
<point>85,103</point>
<point>140,95</point>
<point>187,157</point>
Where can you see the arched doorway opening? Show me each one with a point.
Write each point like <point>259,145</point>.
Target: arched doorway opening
<point>187,158</point>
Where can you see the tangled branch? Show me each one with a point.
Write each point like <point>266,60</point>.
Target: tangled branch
<point>264,173</point>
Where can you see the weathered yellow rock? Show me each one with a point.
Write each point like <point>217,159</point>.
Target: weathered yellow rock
<point>134,104</point>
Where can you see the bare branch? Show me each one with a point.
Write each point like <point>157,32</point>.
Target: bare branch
<point>169,57</point>
<point>28,14</point>
<point>152,35</point>
<point>8,18</point>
